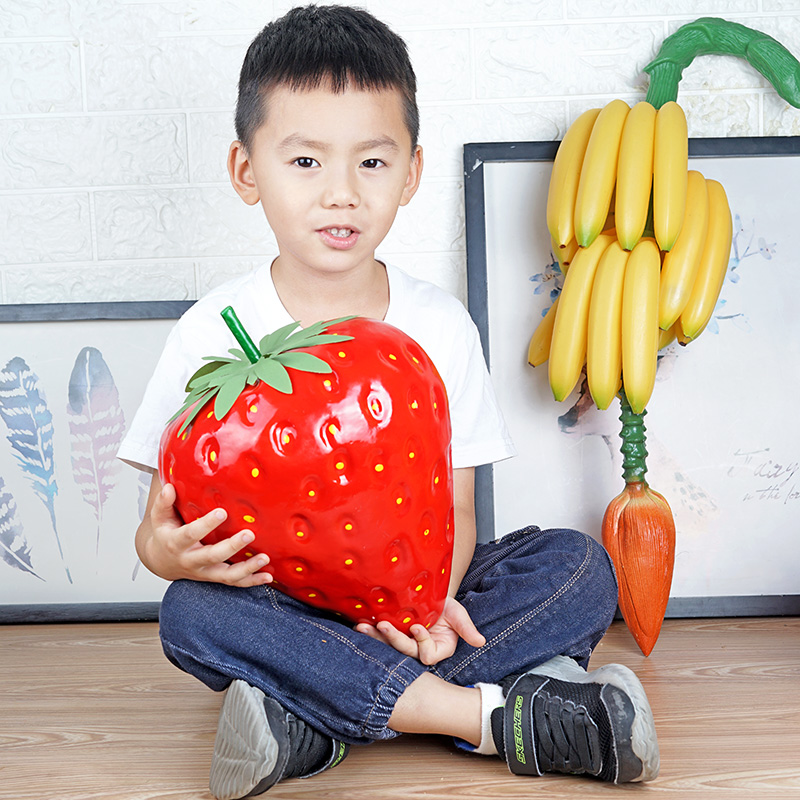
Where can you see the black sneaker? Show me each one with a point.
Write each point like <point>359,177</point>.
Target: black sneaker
<point>260,743</point>
<point>560,718</point>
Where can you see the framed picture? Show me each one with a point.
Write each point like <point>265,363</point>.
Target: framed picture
<point>723,435</point>
<point>71,378</point>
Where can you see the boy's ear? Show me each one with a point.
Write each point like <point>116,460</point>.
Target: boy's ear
<point>241,174</point>
<point>414,175</point>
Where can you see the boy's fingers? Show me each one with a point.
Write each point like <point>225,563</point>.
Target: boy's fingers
<point>425,644</point>
<point>388,634</point>
<point>402,643</point>
<point>162,510</point>
<point>463,625</point>
<point>221,552</point>
<point>194,532</point>
<point>242,574</point>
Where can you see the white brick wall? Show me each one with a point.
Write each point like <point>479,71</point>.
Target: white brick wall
<point>115,118</point>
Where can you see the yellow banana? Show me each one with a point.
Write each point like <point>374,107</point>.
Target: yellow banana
<point>640,323</point>
<point>604,336</point>
<point>680,264</point>
<point>539,347</point>
<point>635,174</point>
<point>568,347</point>
<point>667,337</point>
<point>599,172</point>
<point>670,166</point>
<point>565,176</point>
<point>713,264</point>
<point>564,255</point>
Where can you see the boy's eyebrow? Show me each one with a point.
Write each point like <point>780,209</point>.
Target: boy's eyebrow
<point>296,140</point>
<point>381,143</point>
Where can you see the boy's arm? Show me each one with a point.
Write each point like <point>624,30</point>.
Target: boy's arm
<point>174,551</point>
<point>439,641</point>
<point>465,533</point>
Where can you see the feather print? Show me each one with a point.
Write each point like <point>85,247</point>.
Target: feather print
<point>145,479</point>
<point>30,431</point>
<point>14,548</point>
<point>96,426</point>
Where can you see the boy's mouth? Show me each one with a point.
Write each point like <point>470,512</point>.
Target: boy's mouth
<point>339,238</point>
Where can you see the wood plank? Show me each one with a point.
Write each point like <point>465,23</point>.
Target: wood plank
<point>95,712</point>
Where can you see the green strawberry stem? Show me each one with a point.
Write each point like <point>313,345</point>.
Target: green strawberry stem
<point>714,36</point>
<point>241,335</point>
<point>633,449</point>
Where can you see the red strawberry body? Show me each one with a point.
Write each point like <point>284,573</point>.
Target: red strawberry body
<point>346,482</point>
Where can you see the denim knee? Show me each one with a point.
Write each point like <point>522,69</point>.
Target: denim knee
<point>600,592</point>
<point>186,639</point>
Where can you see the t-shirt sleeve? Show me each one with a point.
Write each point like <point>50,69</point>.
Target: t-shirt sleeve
<point>480,435</point>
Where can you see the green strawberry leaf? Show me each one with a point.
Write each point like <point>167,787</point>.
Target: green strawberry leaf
<point>199,401</point>
<point>305,362</point>
<point>273,340</point>
<point>227,395</point>
<point>273,374</point>
<point>202,373</point>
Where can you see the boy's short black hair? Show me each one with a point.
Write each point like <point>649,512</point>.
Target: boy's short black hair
<point>312,45</point>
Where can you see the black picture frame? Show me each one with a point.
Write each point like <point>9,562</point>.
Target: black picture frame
<point>475,156</point>
<point>49,612</point>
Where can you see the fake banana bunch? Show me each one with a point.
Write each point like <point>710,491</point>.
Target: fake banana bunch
<point>644,242</point>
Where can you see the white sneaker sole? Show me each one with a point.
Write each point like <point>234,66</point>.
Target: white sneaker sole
<point>245,750</point>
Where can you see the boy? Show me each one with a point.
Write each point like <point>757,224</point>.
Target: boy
<point>327,129</point>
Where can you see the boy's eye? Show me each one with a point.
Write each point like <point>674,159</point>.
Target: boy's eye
<point>305,162</point>
<point>372,163</point>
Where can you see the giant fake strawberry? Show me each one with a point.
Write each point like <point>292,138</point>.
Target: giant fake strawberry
<point>332,444</point>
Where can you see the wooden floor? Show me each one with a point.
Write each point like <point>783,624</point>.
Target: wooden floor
<point>95,711</point>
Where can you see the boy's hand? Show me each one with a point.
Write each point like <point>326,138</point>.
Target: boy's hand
<point>434,644</point>
<point>175,551</point>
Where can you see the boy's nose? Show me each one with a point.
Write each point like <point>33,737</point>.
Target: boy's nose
<point>341,192</point>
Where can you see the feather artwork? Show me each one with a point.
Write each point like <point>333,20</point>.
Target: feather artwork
<point>96,426</point>
<point>14,548</point>
<point>145,479</point>
<point>30,431</point>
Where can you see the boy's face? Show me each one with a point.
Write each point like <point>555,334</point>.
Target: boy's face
<point>330,171</point>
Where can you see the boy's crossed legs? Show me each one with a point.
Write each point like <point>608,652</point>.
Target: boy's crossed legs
<point>306,686</point>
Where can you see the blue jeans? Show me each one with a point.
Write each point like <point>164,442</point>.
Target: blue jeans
<point>533,594</point>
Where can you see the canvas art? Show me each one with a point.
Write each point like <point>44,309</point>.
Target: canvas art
<point>68,508</point>
<point>723,445</point>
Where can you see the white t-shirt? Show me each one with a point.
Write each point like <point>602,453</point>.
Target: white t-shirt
<point>433,318</point>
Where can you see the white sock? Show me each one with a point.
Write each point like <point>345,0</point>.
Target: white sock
<point>491,698</point>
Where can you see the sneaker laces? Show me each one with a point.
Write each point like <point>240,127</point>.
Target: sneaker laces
<point>310,750</point>
<point>567,737</point>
